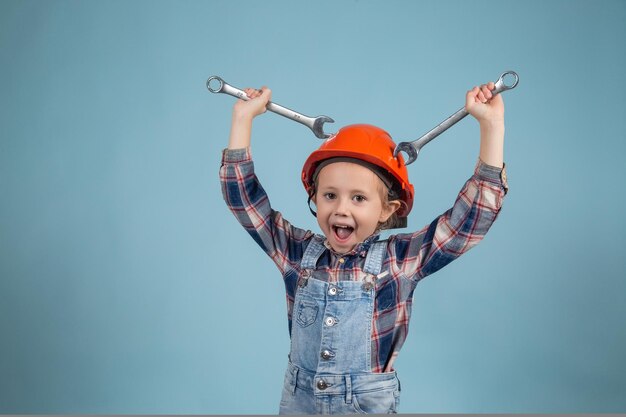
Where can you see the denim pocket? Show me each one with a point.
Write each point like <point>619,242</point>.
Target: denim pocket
<point>383,401</point>
<point>306,312</point>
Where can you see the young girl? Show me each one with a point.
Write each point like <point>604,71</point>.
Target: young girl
<point>349,294</point>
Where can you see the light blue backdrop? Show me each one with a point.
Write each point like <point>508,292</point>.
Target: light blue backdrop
<point>127,287</point>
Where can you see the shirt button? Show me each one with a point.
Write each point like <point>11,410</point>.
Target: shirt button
<point>322,385</point>
<point>341,260</point>
<point>332,291</point>
<point>326,354</point>
<point>330,321</point>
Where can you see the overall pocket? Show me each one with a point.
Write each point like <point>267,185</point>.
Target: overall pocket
<point>306,312</point>
<point>384,401</point>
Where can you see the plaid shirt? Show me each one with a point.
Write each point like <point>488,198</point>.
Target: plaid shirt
<point>409,256</point>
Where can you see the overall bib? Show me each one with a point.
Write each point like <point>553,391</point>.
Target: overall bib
<point>329,369</point>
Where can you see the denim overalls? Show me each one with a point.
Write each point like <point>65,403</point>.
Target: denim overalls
<point>329,369</point>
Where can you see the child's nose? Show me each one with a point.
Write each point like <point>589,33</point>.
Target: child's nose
<point>341,209</point>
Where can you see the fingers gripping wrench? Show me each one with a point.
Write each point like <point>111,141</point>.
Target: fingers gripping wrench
<point>217,85</point>
<point>413,148</point>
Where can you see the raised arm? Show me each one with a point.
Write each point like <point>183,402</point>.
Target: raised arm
<point>244,194</point>
<point>477,205</point>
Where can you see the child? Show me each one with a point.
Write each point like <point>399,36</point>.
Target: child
<point>349,294</point>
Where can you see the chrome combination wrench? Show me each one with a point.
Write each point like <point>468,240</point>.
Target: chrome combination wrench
<point>217,85</point>
<point>412,148</point>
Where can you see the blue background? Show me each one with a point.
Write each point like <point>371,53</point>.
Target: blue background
<point>127,287</point>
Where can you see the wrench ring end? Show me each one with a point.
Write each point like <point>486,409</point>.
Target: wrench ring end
<point>219,80</point>
<point>503,84</point>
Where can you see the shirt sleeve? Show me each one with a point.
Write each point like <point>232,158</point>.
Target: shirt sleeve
<point>247,200</point>
<point>453,233</point>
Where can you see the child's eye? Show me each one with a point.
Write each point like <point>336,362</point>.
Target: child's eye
<point>359,198</point>
<point>330,196</point>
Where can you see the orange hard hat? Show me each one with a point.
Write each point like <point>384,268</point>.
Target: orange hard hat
<point>366,143</point>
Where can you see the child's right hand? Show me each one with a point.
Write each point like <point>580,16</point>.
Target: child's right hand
<point>244,112</point>
<point>256,105</point>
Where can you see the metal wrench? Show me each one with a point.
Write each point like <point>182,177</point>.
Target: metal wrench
<point>316,124</point>
<point>413,148</point>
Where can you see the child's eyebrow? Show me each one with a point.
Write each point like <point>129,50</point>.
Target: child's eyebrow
<point>358,191</point>
<point>327,188</point>
<point>351,191</point>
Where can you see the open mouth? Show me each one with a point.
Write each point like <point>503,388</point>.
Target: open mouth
<point>342,233</point>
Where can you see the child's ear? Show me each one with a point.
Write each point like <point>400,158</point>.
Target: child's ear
<point>313,209</point>
<point>388,209</point>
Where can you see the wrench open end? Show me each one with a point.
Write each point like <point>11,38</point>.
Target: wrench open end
<point>409,149</point>
<point>318,126</point>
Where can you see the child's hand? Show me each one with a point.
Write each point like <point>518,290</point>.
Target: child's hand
<point>483,105</point>
<point>243,114</point>
<point>489,111</point>
<point>256,105</point>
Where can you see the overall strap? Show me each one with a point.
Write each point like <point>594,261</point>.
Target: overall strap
<point>375,257</point>
<point>312,253</point>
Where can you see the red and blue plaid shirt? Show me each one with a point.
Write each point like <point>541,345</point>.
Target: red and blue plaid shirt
<point>409,256</point>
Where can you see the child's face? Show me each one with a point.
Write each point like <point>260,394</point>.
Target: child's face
<point>349,201</point>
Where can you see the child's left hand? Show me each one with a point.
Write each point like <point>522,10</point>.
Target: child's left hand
<point>483,105</point>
